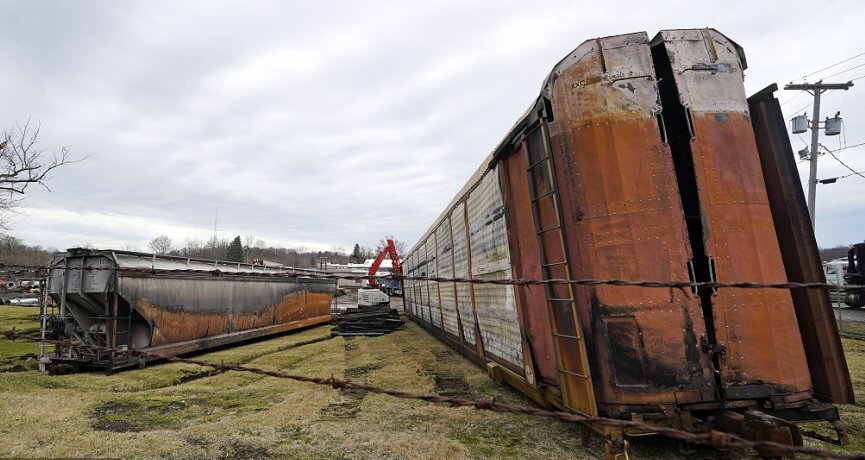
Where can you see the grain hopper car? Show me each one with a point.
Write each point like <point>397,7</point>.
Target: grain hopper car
<point>641,160</point>
<point>172,305</point>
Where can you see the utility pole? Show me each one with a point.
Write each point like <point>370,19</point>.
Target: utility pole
<point>816,89</point>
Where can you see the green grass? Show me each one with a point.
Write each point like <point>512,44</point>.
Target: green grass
<point>19,354</point>
<point>185,411</point>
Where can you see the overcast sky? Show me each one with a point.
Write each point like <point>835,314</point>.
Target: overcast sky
<point>329,123</point>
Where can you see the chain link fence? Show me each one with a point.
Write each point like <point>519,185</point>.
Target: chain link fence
<point>851,321</point>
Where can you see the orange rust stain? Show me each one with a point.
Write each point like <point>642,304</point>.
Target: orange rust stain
<point>171,326</point>
<point>758,326</point>
<point>624,219</point>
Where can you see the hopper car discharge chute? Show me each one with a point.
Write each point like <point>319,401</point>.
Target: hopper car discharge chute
<point>157,304</point>
<point>640,161</point>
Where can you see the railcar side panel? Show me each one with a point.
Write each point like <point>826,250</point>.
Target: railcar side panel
<point>414,298</point>
<point>407,285</point>
<point>447,294</point>
<point>526,265</point>
<point>432,286</point>
<point>461,270</point>
<point>490,257</point>
<point>624,220</point>
<point>424,285</point>
<point>756,327</point>
<point>828,368</point>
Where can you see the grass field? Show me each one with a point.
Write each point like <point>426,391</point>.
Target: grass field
<point>185,411</point>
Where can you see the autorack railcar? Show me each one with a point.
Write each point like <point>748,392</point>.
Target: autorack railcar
<point>639,161</point>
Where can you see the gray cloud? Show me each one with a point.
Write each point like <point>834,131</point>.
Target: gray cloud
<point>338,122</point>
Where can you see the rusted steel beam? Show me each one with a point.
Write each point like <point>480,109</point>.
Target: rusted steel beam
<point>828,368</point>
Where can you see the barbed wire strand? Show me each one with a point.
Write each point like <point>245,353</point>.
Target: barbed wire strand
<point>400,277</point>
<point>710,437</point>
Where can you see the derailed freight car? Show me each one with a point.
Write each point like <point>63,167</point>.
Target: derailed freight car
<point>172,305</point>
<point>639,161</point>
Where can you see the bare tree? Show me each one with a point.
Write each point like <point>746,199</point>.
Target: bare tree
<point>23,164</point>
<point>397,244</point>
<point>14,251</point>
<point>160,245</point>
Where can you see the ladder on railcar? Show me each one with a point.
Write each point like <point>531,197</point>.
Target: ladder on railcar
<point>571,359</point>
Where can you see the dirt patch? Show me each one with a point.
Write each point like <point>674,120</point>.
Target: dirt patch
<point>172,412</point>
<point>236,448</point>
<point>126,416</point>
<point>447,382</point>
<point>191,376</point>
<point>442,355</point>
<point>349,404</point>
<point>231,448</point>
<point>450,384</point>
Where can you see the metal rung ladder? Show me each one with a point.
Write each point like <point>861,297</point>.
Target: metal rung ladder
<point>572,364</point>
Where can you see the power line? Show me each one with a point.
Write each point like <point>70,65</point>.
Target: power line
<point>825,68</point>
<point>833,65</point>
<point>845,165</point>
<point>803,108</point>
<point>844,148</point>
<point>844,71</point>
<point>791,99</point>
<point>854,173</point>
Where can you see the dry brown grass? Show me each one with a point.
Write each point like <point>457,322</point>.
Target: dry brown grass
<point>182,411</point>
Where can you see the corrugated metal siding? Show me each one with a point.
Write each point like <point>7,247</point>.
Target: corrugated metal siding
<point>444,268</point>
<point>418,300</point>
<point>415,286</point>
<point>461,270</point>
<point>490,256</point>
<point>408,289</point>
<point>432,270</point>
<point>413,296</point>
<point>422,285</point>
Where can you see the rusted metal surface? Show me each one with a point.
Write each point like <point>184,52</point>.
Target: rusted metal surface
<point>826,362</point>
<point>535,317</point>
<point>614,173</point>
<point>176,312</point>
<point>623,216</point>
<point>757,341</point>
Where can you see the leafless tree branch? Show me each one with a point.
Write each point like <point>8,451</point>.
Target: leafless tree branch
<point>23,164</point>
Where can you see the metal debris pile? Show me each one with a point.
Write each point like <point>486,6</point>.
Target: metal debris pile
<point>21,299</point>
<point>369,321</point>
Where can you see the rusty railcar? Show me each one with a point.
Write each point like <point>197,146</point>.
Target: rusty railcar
<point>173,305</point>
<point>639,161</point>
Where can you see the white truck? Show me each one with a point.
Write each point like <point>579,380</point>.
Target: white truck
<point>372,298</point>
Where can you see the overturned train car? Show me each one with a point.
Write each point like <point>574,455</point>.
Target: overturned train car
<point>641,160</point>
<point>172,305</point>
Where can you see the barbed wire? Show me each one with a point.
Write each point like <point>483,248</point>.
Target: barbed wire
<point>708,437</point>
<point>437,279</point>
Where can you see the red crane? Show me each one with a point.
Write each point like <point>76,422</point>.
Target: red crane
<point>390,249</point>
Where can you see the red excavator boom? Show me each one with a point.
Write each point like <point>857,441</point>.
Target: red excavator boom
<point>390,249</point>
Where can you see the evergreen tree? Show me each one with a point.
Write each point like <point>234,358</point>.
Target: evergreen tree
<point>235,250</point>
<point>356,255</point>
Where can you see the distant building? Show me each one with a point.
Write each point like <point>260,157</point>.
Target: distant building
<point>359,270</point>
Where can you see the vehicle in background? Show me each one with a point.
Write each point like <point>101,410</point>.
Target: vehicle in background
<point>855,275</point>
<point>372,298</point>
<point>834,271</point>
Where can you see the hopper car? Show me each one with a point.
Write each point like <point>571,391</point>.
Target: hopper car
<point>641,159</point>
<point>172,305</point>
